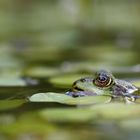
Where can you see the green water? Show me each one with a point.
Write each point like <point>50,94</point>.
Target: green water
<point>45,46</point>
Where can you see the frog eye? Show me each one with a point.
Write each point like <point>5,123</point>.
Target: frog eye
<point>103,81</point>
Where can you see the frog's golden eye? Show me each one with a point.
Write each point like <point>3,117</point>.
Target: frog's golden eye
<point>103,81</point>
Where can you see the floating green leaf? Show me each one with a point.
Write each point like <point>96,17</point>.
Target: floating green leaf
<point>64,99</point>
<point>49,97</point>
<point>26,123</point>
<point>67,115</point>
<point>112,111</point>
<point>132,124</point>
<point>88,100</point>
<point>41,72</point>
<point>117,110</point>
<point>65,80</point>
<point>11,81</point>
<point>10,104</point>
<point>137,83</point>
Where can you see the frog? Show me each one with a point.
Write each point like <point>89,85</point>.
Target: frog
<point>103,83</point>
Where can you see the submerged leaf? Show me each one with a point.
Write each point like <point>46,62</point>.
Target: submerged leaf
<point>64,99</point>
<point>10,104</point>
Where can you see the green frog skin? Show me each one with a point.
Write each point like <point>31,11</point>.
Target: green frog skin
<point>104,83</point>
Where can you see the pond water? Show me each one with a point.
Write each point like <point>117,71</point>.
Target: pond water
<point>45,46</point>
<point>24,75</point>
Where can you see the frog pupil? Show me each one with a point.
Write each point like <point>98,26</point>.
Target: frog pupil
<point>102,78</point>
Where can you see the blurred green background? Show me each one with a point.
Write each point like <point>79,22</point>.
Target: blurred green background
<point>72,30</point>
<point>47,44</point>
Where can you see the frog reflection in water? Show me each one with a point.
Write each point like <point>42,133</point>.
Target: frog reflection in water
<point>104,83</point>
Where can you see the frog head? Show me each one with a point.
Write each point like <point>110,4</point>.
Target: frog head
<point>103,83</point>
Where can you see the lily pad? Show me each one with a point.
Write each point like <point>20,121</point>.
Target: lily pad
<point>25,124</point>
<point>136,83</point>
<point>67,115</point>
<point>65,80</point>
<point>131,125</point>
<point>10,72</point>
<point>10,104</point>
<point>49,97</point>
<point>96,113</point>
<point>88,100</point>
<point>11,81</point>
<point>64,99</point>
<point>117,111</point>
<point>41,72</point>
